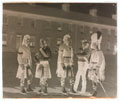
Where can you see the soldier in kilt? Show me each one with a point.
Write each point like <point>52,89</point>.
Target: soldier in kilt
<point>97,62</point>
<point>65,63</point>
<point>43,68</point>
<point>25,64</point>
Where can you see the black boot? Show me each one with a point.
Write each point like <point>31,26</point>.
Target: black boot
<point>44,90</point>
<point>64,90</point>
<point>72,89</point>
<point>95,89</point>
<point>94,93</point>
<point>29,89</point>
<point>23,90</point>
<point>40,89</point>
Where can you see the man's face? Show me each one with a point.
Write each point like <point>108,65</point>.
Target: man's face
<point>42,43</point>
<point>27,41</point>
<point>68,42</point>
<point>45,43</point>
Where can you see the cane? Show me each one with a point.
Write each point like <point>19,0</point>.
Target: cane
<point>102,86</point>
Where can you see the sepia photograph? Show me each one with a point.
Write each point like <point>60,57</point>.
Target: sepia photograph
<point>59,50</point>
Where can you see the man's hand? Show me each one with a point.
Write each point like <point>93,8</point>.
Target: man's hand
<point>22,66</point>
<point>62,64</point>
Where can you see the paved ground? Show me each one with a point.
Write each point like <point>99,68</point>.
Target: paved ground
<point>11,84</point>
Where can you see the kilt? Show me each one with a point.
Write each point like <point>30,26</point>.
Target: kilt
<point>60,71</point>
<point>24,72</point>
<point>43,70</point>
<point>66,71</point>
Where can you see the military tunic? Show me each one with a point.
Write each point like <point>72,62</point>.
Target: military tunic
<point>65,61</point>
<point>97,64</point>
<point>43,67</point>
<point>25,63</point>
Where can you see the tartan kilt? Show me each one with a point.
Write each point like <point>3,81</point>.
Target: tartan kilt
<point>66,71</point>
<point>43,70</point>
<point>24,72</point>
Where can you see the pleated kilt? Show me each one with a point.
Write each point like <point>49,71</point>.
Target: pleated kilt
<point>66,70</point>
<point>43,70</point>
<point>24,72</point>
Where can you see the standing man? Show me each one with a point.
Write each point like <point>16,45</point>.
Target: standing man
<point>25,64</point>
<point>65,63</point>
<point>43,68</point>
<point>83,57</point>
<point>97,61</point>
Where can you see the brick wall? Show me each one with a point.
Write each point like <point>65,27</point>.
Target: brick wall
<point>47,28</point>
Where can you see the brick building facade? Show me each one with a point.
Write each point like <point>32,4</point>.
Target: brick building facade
<point>52,24</point>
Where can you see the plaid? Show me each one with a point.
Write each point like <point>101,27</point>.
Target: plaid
<point>43,70</point>
<point>24,72</point>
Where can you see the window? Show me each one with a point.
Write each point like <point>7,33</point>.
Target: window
<point>81,29</point>
<point>108,45</point>
<point>59,26</point>
<point>87,29</point>
<point>32,43</point>
<point>70,27</point>
<point>18,41</point>
<point>33,23</point>
<point>95,29</point>
<point>5,19</point>
<point>47,25</point>
<point>105,31</point>
<point>4,41</point>
<point>20,21</point>
<point>113,32</point>
<point>48,39</point>
<point>59,41</point>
